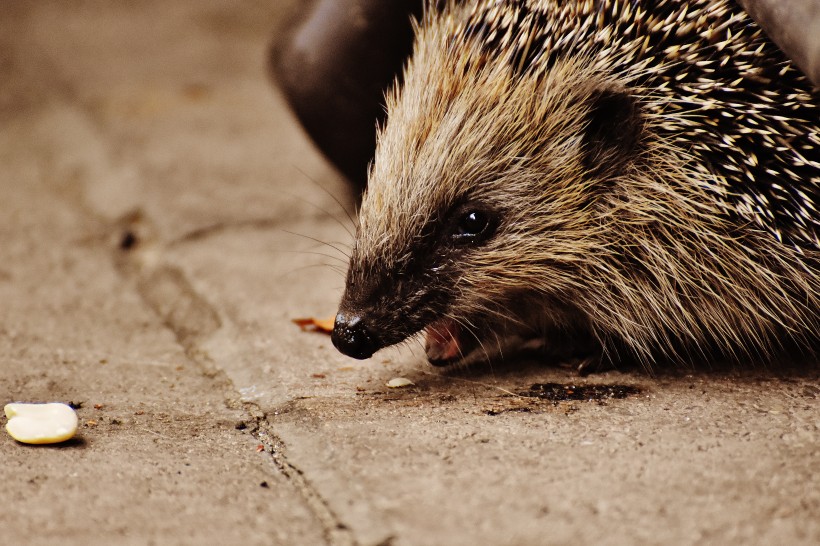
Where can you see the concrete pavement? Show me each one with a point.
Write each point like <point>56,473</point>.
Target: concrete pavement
<point>160,216</point>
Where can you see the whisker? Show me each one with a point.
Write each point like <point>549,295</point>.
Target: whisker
<point>313,253</point>
<point>315,240</point>
<point>341,206</point>
<point>218,227</point>
<point>310,266</point>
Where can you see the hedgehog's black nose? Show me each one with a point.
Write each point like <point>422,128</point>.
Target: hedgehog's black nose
<point>352,338</point>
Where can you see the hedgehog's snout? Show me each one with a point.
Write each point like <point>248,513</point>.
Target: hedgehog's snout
<point>352,337</point>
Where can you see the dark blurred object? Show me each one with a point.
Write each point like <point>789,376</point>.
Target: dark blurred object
<point>794,25</point>
<point>335,67</point>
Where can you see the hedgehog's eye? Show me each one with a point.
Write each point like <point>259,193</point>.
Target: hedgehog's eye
<point>472,226</point>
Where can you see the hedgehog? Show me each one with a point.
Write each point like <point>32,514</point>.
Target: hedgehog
<point>605,180</point>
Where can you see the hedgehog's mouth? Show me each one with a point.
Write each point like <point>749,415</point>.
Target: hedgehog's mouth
<point>446,344</point>
<point>443,345</point>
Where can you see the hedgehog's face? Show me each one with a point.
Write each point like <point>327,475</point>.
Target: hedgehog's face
<point>479,212</point>
<point>412,283</point>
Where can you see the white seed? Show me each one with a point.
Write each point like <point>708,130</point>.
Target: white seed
<point>41,423</point>
<point>398,382</point>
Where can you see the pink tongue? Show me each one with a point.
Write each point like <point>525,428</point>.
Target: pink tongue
<point>442,340</point>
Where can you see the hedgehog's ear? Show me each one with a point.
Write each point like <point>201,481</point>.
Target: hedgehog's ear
<point>612,131</point>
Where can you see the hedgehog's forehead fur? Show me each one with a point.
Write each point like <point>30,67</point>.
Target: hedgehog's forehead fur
<point>509,74</point>
<point>462,129</point>
<point>414,184</point>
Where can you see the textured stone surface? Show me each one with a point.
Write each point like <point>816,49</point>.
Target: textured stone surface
<point>160,227</point>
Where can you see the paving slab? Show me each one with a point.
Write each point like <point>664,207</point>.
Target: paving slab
<point>167,219</point>
<point>158,458</point>
<point>161,456</point>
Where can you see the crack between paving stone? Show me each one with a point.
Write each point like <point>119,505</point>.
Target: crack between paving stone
<point>336,533</point>
<point>191,318</point>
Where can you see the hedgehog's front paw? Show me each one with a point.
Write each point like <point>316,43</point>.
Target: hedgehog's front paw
<point>592,364</point>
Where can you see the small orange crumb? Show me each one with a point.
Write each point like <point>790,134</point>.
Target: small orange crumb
<point>318,376</point>
<point>98,406</point>
<point>260,448</point>
<point>311,324</point>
